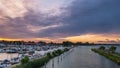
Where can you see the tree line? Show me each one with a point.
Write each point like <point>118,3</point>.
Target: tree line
<point>65,43</point>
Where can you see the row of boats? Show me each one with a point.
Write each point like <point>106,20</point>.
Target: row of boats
<point>31,52</point>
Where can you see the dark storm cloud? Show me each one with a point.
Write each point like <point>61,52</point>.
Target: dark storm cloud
<point>90,16</point>
<point>95,16</point>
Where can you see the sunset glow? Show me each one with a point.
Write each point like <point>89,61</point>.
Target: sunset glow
<point>60,20</point>
<point>95,38</point>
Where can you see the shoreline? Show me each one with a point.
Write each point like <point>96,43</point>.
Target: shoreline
<point>37,63</point>
<point>109,56</point>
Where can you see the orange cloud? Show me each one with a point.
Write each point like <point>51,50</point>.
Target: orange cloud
<point>8,39</point>
<point>27,39</point>
<point>94,38</point>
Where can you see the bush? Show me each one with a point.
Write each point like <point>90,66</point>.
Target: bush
<point>25,60</point>
<point>112,49</point>
<point>66,49</point>
<point>108,55</point>
<point>39,62</point>
<point>49,55</point>
<point>54,54</point>
<point>102,48</point>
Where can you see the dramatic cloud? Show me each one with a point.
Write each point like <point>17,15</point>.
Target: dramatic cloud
<point>94,16</point>
<point>58,18</point>
<point>25,19</point>
<point>13,8</point>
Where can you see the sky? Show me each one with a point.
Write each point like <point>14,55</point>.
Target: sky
<point>60,20</point>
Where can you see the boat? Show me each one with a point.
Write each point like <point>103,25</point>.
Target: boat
<point>11,51</point>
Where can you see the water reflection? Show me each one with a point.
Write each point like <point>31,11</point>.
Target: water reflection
<point>4,56</point>
<point>81,57</point>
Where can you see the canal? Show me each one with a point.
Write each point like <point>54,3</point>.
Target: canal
<point>81,57</point>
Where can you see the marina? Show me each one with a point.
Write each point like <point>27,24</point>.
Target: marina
<point>59,33</point>
<point>10,56</point>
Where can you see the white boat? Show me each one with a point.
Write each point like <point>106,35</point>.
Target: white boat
<point>2,66</point>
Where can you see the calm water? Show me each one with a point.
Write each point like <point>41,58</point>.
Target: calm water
<point>81,57</point>
<point>4,56</point>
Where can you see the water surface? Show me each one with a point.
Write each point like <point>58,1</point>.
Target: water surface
<point>81,57</point>
<point>4,56</point>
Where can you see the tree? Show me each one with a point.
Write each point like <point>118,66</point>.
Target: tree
<point>112,49</point>
<point>78,43</point>
<point>41,43</point>
<point>49,55</point>
<point>102,48</point>
<point>59,51</point>
<point>67,43</point>
<point>25,60</point>
<point>66,49</point>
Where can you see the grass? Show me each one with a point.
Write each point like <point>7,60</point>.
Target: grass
<point>108,55</point>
